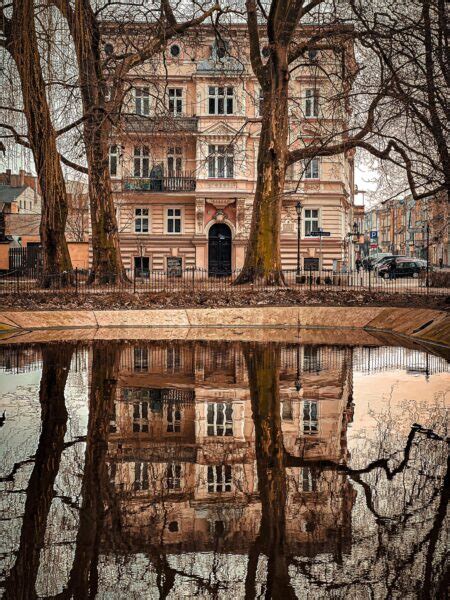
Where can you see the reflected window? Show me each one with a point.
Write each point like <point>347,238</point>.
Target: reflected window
<point>287,410</point>
<point>173,418</point>
<point>140,416</point>
<point>112,471</point>
<point>173,360</point>
<point>309,479</point>
<point>311,358</point>
<point>310,418</point>
<point>219,478</point>
<point>140,476</point>
<point>173,476</point>
<point>112,420</point>
<point>220,418</point>
<point>173,526</point>
<point>140,359</point>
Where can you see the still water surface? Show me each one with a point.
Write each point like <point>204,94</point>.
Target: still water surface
<point>223,470</point>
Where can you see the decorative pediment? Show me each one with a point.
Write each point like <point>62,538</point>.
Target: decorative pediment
<point>220,203</point>
<point>220,129</point>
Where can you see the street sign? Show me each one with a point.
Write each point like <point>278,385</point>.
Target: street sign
<point>319,234</point>
<point>373,235</point>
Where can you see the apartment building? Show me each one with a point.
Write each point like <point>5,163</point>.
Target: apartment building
<point>410,227</point>
<point>182,458</point>
<point>183,159</point>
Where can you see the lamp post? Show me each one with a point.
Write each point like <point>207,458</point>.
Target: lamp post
<point>353,234</point>
<point>298,381</point>
<point>298,208</point>
<point>427,248</point>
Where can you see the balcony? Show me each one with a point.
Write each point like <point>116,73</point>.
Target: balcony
<point>175,183</point>
<point>134,123</point>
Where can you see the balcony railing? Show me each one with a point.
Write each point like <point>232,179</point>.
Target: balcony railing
<point>163,124</point>
<point>175,183</point>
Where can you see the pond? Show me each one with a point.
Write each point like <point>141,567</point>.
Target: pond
<point>138,469</point>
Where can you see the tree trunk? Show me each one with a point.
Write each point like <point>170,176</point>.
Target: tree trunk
<point>83,579</point>
<point>263,259</point>
<point>263,366</point>
<point>21,581</point>
<point>22,45</point>
<point>107,264</point>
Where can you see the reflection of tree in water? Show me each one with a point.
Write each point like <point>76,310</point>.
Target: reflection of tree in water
<point>397,520</point>
<point>21,581</point>
<point>418,477</point>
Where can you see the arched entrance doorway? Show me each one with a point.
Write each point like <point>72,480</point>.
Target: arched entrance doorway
<point>219,251</point>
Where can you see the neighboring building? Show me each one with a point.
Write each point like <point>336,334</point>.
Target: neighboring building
<point>401,224</point>
<point>184,175</point>
<point>20,217</point>
<point>182,457</point>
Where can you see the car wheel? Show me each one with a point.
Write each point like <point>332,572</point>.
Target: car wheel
<point>385,275</point>
<point>415,275</point>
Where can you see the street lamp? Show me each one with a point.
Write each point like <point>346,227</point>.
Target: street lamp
<point>354,233</point>
<point>298,208</point>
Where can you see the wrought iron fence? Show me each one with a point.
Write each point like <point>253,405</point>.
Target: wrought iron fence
<point>140,281</point>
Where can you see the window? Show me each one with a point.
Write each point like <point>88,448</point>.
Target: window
<point>141,266</point>
<point>140,359</point>
<point>175,101</point>
<point>141,220</point>
<point>175,50</point>
<point>174,161</point>
<point>174,220</point>
<point>312,55</point>
<point>311,359</point>
<point>142,101</point>
<point>173,476</point>
<point>309,479</point>
<point>310,421</point>
<point>286,410</point>
<point>173,418</point>
<point>220,419</point>
<point>219,478</point>
<point>109,48</point>
<point>140,417</point>
<point>220,100</point>
<point>141,161</point>
<point>311,219</point>
<point>140,476</point>
<point>311,103</point>
<point>113,160</point>
<point>173,359</point>
<point>220,162</point>
<point>311,170</point>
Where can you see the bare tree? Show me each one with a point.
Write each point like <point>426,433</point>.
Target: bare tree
<point>20,41</point>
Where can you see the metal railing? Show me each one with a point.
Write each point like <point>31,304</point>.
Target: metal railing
<point>166,183</point>
<point>177,280</point>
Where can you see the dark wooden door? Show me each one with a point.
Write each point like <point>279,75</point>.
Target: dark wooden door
<point>219,251</point>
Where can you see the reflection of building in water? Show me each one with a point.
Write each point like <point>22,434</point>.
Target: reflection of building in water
<point>182,452</point>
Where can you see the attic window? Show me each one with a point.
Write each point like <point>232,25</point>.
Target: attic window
<point>219,49</point>
<point>265,51</point>
<point>109,49</point>
<point>312,55</point>
<point>175,50</point>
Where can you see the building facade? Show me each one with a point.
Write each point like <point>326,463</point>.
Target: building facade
<point>183,161</point>
<point>410,227</point>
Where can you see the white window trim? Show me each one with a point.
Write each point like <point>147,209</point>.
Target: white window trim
<point>317,420</point>
<point>183,100</point>
<point>166,220</point>
<point>308,162</point>
<point>219,482</point>
<point>228,152</point>
<point>319,216</point>
<point>226,425</point>
<point>225,97</point>
<point>315,103</point>
<point>149,218</point>
<point>143,113</point>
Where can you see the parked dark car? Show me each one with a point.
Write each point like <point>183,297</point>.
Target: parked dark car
<point>404,267</point>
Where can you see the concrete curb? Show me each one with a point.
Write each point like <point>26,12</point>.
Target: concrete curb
<point>432,326</point>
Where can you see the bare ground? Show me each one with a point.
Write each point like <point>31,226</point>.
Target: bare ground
<point>205,299</point>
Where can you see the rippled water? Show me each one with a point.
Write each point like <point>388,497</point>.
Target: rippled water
<point>223,470</point>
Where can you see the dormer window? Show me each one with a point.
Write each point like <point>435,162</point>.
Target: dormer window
<point>219,50</point>
<point>312,55</point>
